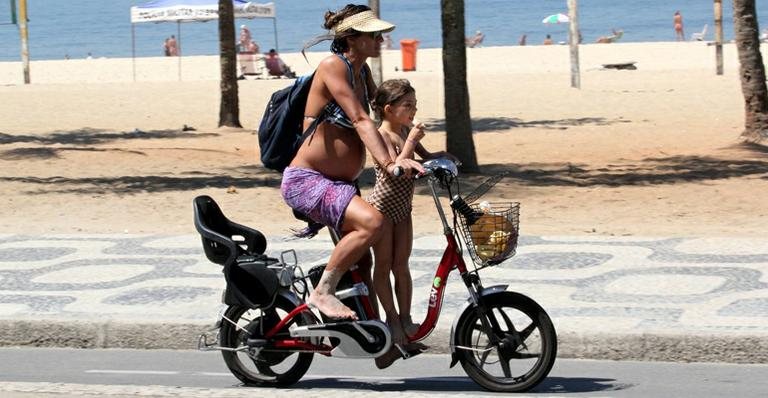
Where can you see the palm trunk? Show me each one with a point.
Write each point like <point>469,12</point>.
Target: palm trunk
<point>229,108</point>
<point>752,71</point>
<point>458,125</point>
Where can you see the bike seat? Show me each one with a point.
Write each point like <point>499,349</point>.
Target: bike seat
<point>224,240</point>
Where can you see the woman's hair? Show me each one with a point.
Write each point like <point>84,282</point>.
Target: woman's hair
<point>339,44</point>
<point>390,92</point>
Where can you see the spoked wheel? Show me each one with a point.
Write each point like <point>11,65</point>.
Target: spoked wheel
<point>510,349</point>
<point>262,366</point>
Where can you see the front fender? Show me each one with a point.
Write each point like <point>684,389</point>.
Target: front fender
<point>465,311</point>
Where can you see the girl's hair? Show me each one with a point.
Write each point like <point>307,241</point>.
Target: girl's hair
<point>339,44</point>
<point>390,92</point>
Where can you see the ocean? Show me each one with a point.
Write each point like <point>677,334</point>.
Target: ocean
<point>75,28</point>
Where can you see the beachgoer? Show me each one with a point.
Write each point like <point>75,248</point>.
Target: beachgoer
<point>476,40</point>
<point>276,66</point>
<point>522,40</point>
<point>166,48</point>
<point>547,40</point>
<point>387,41</point>
<point>245,38</point>
<point>395,105</point>
<point>252,47</point>
<point>678,23</point>
<point>173,49</point>
<point>320,181</point>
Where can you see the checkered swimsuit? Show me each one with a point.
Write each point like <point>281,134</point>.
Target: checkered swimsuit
<point>392,196</point>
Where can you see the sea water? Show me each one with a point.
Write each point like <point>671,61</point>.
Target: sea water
<point>102,28</point>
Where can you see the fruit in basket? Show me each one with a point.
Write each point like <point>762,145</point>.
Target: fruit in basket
<point>486,225</point>
<point>499,239</point>
<point>486,252</point>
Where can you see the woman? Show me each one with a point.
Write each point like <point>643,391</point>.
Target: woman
<point>320,181</point>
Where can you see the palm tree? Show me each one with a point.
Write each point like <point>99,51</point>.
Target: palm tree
<point>229,108</point>
<point>458,125</point>
<point>751,71</point>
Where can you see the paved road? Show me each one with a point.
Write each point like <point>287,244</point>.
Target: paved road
<point>163,373</point>
<point>703,299</point>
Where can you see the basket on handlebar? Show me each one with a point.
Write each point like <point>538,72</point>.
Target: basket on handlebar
<point>492,237</point>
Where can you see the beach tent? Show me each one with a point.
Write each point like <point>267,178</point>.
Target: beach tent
<point>193,11</point>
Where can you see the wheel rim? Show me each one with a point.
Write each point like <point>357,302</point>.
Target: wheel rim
<point>515,350</point>
<point>265,364</point>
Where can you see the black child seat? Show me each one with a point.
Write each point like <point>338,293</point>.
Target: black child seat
<point>240,250</point>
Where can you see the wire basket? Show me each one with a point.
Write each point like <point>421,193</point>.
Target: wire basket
<point>492,237</point>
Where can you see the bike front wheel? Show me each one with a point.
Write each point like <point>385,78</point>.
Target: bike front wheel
<point>265,365</point>
<point>509,345</point>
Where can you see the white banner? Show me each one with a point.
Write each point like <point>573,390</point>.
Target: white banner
<point>199,13</point>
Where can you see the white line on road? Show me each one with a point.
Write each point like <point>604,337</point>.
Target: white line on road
<point>134,372</point>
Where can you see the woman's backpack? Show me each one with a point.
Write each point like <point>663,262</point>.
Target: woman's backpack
<point>281,129</point>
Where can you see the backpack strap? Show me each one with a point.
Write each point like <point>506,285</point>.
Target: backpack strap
<point>363,76</point>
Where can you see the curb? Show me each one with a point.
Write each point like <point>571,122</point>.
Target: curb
<point>183,336</point>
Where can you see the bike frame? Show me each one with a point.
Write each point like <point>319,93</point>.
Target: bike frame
<point>451,259</point>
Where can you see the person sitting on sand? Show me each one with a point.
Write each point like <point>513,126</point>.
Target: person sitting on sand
<point>476,40</point>
<point>612,38</point>
<point>276,66</point>
<point>547,40</point>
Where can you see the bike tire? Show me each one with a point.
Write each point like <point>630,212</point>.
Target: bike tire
<point>267,368</point>
<point>525,335</point>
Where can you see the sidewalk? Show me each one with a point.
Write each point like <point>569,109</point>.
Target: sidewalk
<point>683,299</point>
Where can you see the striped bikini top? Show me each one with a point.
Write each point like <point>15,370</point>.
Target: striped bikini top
<point>332,112</point>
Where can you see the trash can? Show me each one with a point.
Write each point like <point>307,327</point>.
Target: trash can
<point>408,48</point>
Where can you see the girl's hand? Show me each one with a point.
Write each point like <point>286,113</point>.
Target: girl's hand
<point>408,167</point>
<point>417,132</point>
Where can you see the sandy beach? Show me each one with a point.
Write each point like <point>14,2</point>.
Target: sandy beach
<point>647,152</point>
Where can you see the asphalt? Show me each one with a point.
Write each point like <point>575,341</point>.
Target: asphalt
<point>634,298</point>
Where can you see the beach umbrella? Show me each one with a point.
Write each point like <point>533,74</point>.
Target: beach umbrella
<point>556,18</point>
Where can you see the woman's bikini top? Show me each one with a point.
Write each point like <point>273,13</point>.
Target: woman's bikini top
<point>332,112</point>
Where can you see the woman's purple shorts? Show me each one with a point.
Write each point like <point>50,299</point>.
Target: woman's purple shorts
<point>313,194</point>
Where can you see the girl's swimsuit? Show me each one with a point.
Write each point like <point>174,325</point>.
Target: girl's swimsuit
<point>392,196</point>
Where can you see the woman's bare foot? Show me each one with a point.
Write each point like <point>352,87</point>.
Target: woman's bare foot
<point>329,305</point>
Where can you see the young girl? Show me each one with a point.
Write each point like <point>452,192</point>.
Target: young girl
<point>395,105</point>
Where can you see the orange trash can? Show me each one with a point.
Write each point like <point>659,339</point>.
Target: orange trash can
<point>408,48</point>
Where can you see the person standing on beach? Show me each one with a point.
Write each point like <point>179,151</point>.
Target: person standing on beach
<point>547,40</point>
<point>173,49</point>
<point>320,182</point>
<point>678,22</point>
<point>166,47</point>
<point>245,38</point>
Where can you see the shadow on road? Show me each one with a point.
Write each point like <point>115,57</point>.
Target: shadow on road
<point>459,384</point>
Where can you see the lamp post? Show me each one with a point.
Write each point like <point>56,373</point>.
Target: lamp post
<point>376,70</point>
<point>573,15</point>
<point>24,34</point>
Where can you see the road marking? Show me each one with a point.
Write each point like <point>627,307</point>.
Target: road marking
<point>133,372</point>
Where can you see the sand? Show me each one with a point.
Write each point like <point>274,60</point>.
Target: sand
<point>647,152</point>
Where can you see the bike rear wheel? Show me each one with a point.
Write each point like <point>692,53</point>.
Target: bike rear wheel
<point>509,348</point>
<point>262,366</point>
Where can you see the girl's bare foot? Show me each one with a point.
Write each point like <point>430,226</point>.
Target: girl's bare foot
<point>329,305</point>
<point>409,326</point>
<point>398,334</point>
